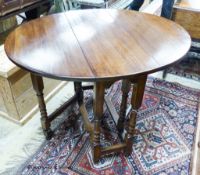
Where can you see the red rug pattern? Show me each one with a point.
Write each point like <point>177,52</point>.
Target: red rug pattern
<point>163,142</point>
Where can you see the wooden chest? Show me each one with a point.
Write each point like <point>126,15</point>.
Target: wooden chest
<point>18,101</point>
<point>187,14</point>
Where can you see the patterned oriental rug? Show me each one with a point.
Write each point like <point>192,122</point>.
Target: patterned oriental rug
<point>189,67</point>
<point>163,142</point>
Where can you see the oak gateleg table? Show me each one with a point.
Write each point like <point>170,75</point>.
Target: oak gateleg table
<point>99,46</point>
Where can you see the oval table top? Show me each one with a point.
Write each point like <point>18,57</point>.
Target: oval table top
<point>99,44</point>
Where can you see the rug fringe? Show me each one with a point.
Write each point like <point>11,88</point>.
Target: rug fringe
<point>27,151</point>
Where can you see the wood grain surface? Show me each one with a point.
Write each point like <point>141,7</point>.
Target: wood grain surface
<point>188,4</point>
<point>187,14</point>
<point>94,45</point>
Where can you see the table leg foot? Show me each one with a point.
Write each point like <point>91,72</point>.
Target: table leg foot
<point>48,134</point>
<point>96,142</point>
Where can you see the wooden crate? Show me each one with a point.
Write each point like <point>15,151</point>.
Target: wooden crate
<point>187,14</point>
<point>18,101</point>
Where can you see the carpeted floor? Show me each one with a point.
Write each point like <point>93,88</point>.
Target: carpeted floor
<point>163,143</point>
<point>189,67</point>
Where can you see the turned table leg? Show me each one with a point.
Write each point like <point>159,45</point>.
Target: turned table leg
<point>136,101</point>
<point>38,87</point>
<point>95,131</point>
<point>98,112</point>
<point>122,114</point>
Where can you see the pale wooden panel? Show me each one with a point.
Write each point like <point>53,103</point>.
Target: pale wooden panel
<point>49,85</point>
<point>189,4</point>
<point>2,106</point>
<point>189,19</point>
<point>8,98</point>
<point>20,82</point>
<point>17,97</point>
<point>26,102</point>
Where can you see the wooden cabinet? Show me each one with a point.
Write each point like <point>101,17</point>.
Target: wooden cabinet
<point>12,7</point>
<point>9,6</point>
<point>187,14</point>
<point>18,101</point>
<point>29,2</point>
